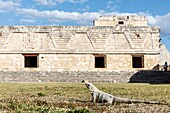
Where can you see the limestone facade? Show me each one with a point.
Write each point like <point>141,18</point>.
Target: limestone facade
<point>121,20</point>
<point>113,43</point>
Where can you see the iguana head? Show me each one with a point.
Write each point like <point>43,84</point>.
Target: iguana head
<point>89,85</point>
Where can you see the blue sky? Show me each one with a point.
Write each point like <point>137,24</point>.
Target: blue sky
<point>83,12</point>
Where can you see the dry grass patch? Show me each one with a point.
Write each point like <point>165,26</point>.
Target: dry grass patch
<point>74,97</point>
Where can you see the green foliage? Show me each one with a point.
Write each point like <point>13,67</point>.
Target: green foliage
<point>40,94</point>
<point>15,105</point>
<point>43,110</point>
<point>84,110</point>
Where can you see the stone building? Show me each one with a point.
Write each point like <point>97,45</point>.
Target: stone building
<point>113,43</point>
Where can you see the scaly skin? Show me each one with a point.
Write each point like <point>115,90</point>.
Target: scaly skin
<point>102,97</point>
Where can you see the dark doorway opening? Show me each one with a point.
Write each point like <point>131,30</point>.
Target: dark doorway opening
<point>121,22</point>
<point>100,62</point>
<point>31,61</point>
<point>138,62</point>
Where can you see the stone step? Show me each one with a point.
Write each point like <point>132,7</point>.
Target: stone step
<point>65,39</point>
<point>5,35</point>
<point>1,44</point>
<point>137,38</point>
<point>62,44</point>
<point>137,44</point>
<point>2,41</point>
<point>100,40</point>
<point>61,36</point>
<point>64,76</point>
<point>99,43</point>
<point>61,41</point>
<point>151,77</point>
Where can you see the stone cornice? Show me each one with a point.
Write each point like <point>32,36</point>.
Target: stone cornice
<point>49,29</point>
<point>78,52</point>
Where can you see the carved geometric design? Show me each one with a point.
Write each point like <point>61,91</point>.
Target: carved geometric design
<point>30,40</point>
<point>135,39</point>
<point>80,41</point>
<point>80,38</point>
<point>117,41</point>
<point>60,39</point>
<point>98,39</point>
<point>148,42</point>
<point>46,41</point>
<point>4,38</point>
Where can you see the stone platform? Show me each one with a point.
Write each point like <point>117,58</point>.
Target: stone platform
<point>93,76</point>
<point>152,77</point>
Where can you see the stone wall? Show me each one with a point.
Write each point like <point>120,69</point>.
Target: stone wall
<point>11,61</point>
<point>66,62</point>
<point>164,55</point>
<point>80,39</point>
<point>149,59</point>
<point>115,76</point>
<point>77,62</point>
<point>69,53</point>
<point>73,48</point>
<point>65,76</point>
<point>124,20</point>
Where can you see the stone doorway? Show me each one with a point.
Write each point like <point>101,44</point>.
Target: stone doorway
<point>30,60</point>
<point>100,61</point>
<point>137,61</point>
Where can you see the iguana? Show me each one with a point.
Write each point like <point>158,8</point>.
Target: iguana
<point>102,97</point>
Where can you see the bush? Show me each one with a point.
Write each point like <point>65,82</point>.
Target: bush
<point>41,94</point>
<point>84,110</point>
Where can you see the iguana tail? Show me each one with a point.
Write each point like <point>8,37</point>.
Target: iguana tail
<point>124,100</point>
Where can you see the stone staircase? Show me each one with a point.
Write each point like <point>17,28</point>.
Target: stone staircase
<point>164,55</point>
<point>64,76</point>
<point>61,39</point>
<point>99,41</point>
<point>152,77</point>
<point>134,40</point>
<point>3,39</point>
<point>137,42</point>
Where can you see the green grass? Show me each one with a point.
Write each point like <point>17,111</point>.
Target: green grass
<point>74,97</point>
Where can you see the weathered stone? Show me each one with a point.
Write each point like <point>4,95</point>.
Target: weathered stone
<point>74,48</point>
<point>65,76</point>
<point>73,53</point>
<point>77,76</point>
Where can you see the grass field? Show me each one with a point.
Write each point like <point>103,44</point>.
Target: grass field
<point>75,98</point>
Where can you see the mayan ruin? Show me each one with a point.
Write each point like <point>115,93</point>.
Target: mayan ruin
<point>84,56</point>
<point>113,43</point>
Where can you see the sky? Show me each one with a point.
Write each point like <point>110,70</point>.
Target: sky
<point>83,12</point>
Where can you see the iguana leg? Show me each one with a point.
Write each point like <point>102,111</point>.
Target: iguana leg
<point>94,97</point>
